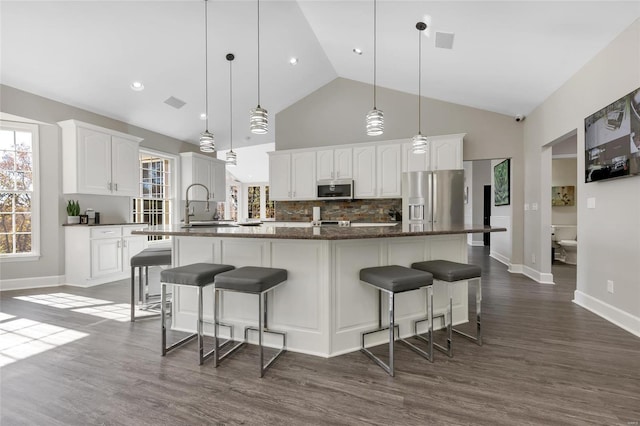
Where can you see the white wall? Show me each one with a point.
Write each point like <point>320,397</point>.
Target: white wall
<point>50,267</point>
<point>564,173</point>
<point>609,234</point>
<point>502,216</point>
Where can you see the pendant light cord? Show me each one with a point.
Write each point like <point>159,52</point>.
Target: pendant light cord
<point>230,107</point>
<point>419,81</point>
<point>206,65</point>
<point>374,52</point>
<point>258,53</point>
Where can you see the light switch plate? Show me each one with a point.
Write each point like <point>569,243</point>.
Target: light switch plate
<point>534,206</point>
<point>591,202</point>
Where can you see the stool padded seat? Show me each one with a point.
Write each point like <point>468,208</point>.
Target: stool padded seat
<point>152,257</point>
<point>396,278</point>
<point>196,274</point>
<point>250,279</point>
<point>445,270</point>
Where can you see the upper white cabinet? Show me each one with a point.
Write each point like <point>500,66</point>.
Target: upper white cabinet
<point>98,160</point>
<point>210,172</point>
<point>389,171</point>
<point>334,163</point>
<point>292,176</point>
<point>443,153</point>
<point>364,172</point>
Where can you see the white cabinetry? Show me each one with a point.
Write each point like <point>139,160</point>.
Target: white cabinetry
<point>334,163</point>
<point>292,176</point>
<point>443,153</point>
<point>389,171</point>
<point>211,172</point>
<point>99,254</point>
<point>364,172</point>
<point>98,160</point>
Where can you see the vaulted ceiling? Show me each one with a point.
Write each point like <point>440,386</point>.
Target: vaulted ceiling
<point>507,56</point>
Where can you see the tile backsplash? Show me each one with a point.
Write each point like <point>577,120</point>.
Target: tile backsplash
<point>377,210</point>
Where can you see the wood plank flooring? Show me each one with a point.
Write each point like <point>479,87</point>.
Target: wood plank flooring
<point>545,361</point>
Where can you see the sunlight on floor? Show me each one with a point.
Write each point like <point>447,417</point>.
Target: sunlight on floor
<point>21,338</point>
<point>118,312</point>
<point>63,300</point>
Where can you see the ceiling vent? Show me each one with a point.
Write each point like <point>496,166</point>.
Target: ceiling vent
<point>444,40</point>
<point>175,102</point>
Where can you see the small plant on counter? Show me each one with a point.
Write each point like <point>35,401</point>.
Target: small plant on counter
<point>73,211</point>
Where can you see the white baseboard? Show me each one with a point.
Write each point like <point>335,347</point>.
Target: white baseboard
<point>516,268</point>
<point>32,282</point>
<point>476,243</point>
<point>500,257</point>
<point>612,314</point>
<point>537,276</point>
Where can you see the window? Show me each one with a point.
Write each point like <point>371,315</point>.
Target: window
<point>253,202</point>
<point>259,206</point>
<point>19,222</point>
<point>229,208</point>
<point>154,206</point>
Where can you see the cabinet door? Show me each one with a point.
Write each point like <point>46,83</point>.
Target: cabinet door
<point>364,171</point>
<point>130,247</point>
<point>324,164</point>
<point>446,153</point>
<point>280,176</point>
<point>219,184</point>
<point>106,256</point>
<point>414,162</point>
<point>343,163</point>
<point>389,171</point>
<point>125,167</point>
<point>94,162</point>
<point>303,176</point>
<point>201,173</point>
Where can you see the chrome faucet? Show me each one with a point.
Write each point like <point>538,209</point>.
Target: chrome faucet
<point>186,206</point>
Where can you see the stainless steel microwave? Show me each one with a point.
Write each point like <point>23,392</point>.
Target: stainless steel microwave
<point>335,189</point>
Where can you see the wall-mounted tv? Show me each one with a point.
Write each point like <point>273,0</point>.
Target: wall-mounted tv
<point>612,140</point>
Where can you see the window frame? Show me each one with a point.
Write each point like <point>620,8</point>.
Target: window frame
<point>34,254</point>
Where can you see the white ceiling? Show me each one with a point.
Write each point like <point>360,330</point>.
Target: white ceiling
<point>508,56</point>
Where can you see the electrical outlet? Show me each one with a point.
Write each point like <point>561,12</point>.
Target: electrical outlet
<point>610,286</point>
<point>533,258</point>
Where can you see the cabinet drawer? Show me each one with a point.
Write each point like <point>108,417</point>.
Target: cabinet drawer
<point>126,230</point>
<point>106,232</point>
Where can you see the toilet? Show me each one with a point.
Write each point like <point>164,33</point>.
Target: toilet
<point>565,237</point>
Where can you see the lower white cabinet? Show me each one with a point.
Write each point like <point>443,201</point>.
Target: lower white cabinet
<point>99,254</point>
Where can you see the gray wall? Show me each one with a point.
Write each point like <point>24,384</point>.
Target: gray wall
<point>53,202</point>
<point>608,235</point>
<point>335,114</point>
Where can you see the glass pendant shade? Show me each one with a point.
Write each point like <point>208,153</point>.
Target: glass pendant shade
<point>375,122</point>
<point>419,145</point>
<point>207,142</point>
<point>232,158</point>
<point>259,121</point>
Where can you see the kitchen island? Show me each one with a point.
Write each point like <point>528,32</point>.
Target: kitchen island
<point>323,306</point>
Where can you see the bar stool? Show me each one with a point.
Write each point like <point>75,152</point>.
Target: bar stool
<point>391,280</point>
<point>252,280</point>
<point>151,256</point>
<point>452,273</point>
<point>198,275</point>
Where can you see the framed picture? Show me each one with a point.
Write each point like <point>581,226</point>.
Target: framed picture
<point>502,183</point>
<point>563,196</point>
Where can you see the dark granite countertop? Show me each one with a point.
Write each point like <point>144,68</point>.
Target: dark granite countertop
<point>102,224</point>
<point>309,233</point>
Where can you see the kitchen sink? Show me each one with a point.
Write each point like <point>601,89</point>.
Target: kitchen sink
<point>210,223</point>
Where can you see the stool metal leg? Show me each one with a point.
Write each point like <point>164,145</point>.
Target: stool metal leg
<point>199,327</point>
<point>429,353</point>
<point>261,320</point>
<point>448,322</point>
<point>478,337</point>
<point>163,308</point>
<point>392,324</point>
<point>133,293</point>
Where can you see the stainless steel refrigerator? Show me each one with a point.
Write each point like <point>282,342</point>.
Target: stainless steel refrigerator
<point>432,200</point>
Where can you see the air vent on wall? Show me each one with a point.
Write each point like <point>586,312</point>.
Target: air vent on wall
<point>175,102</point>
<point>444,40</point>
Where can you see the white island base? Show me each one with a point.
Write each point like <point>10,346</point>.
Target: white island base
<point>323,306</point>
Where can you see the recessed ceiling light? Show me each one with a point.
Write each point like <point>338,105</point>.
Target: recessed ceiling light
<point>137,86</point>
<point>203,116</point>
<point>357,51</point>
<point>293,61</point>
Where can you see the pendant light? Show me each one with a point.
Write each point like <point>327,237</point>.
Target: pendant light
<point>375,117</point>
<point>258,119</point>
<point>232,159</point>
<point>419,142</point>
<point>207,141</point>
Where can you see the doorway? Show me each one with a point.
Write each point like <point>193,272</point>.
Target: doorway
<point>486,214</point>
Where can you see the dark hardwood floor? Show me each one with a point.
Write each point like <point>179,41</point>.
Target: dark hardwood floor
<point>545,361</point>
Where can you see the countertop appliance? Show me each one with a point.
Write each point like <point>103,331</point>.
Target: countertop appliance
<point>432,199</point>
<point>341,189</point>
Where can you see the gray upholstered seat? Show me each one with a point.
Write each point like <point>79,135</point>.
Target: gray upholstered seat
<point>152,257</point>
<point>196,274</point>
<point>445,270</point>
<point>396,278</point>
<point>250,279</point>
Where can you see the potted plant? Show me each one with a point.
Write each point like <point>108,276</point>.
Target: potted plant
<point>73,212</point>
